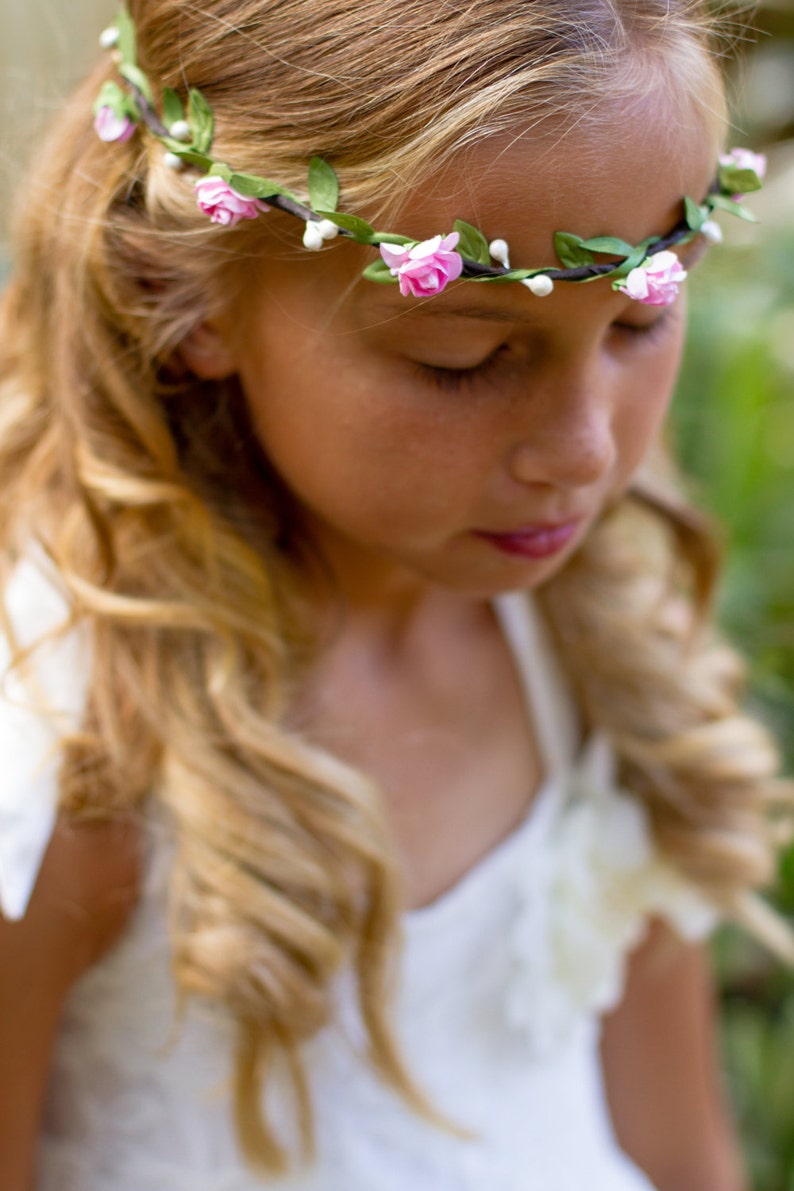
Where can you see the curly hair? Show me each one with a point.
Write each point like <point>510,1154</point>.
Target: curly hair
<point>114,457</point>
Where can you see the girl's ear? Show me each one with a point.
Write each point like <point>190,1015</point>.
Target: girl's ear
<point>206,352</point>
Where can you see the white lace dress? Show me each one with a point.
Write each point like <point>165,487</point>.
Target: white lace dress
<point>503,980</point>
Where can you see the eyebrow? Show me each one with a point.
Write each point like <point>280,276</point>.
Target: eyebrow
<point>432,308</point>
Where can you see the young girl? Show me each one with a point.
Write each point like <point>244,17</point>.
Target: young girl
<point>364,740</point>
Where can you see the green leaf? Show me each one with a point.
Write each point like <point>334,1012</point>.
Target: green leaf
<point>134,75</point>
<point>734,180</point>
<point>696,215</point>
<point>379,271</point>
<point>610,244</point>
<point>173,108</point>
<point>634,258</point>
<point>191,157</point>
<point>253,187</point>
<point>570,251</point>
<point>201,121</point>
<point>723,203</point>
<point>472,244</point>
<point>513,275</point>
<point>624,268</point>
<point>111,96</point>
<point>219,169</point>
<point>126,44</point>
<point>359,228</point>
<point>392,238</point>
<point>323,185</point>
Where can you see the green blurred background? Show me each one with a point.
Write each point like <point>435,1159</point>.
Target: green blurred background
<point>734,422</point>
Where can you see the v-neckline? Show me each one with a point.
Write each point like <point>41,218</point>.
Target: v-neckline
<point>550,710</point>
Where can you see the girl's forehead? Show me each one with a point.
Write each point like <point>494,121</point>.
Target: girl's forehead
<point>620,174</point>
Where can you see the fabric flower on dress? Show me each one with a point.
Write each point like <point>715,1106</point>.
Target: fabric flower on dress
<point>424,269</point>
<point>223,204</point>
<point>585,905</point>
<point>655,282</point>
<point>111,127</point>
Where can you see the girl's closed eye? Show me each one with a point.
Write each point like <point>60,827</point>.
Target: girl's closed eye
<point>646,334</point>
<point>493,365</point>
<point>454,379</point>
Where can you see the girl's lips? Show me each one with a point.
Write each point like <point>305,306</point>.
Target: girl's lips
<point>533,541</point>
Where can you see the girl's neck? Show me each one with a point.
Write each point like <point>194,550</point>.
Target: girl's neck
<point>377,598</point>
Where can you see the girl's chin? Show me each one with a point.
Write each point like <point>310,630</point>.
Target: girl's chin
<point>507,571</point>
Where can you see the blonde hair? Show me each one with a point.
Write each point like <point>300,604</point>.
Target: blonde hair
<point>116,459</point>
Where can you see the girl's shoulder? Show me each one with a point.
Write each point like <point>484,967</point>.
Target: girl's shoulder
<point>44,668</point>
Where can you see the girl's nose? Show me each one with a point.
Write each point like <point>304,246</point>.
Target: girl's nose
<point>565,437</point>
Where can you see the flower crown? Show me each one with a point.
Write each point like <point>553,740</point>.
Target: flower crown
<point>648,272</point>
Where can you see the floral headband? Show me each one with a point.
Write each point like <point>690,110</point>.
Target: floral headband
<point>648,272</point>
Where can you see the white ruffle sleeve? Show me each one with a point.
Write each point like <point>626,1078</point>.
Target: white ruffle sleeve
<point>587,901</point>
<point>39,703</point>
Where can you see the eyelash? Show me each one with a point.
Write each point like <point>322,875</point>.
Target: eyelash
<point>650,332</point>
<point>456,379</point>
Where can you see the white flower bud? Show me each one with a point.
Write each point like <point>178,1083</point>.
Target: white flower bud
<point>500,252</point>
<point>312,236</point>
<point>173,162</point>
<point>541,285</point>
<point>109,38</point>
<point>180,130</point>
<point>327,229</point>
<point>711,232</point>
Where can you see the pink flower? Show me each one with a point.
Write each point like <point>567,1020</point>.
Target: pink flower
<point>110,127</point>
<point>223,204</point>
<point>426,268</point>
<point>655,282</point>
<point>745,159</point>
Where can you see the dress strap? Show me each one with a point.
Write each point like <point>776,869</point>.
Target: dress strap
<point>546,689</point>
